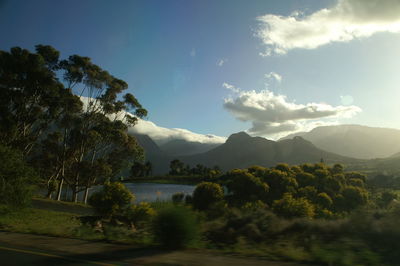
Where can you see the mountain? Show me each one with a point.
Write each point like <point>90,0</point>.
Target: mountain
<point>241,150</point>
<point>354,141</point>
<point>159,160</point>
<point>180,147</point>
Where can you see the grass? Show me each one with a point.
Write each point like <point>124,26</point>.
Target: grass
<point>63,224</point>
<point>36,221</point>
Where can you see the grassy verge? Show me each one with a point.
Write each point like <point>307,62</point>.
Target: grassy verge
<point>63,224</point>
<point>37,221</point>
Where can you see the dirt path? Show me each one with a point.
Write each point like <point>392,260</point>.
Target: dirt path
<point>46,250</point>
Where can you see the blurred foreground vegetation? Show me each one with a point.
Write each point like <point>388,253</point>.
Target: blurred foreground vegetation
<point>310,213</point>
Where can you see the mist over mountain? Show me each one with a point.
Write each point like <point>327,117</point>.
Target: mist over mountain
<point>180,147</point>
<point>355,141</point>
<point>241,150</point>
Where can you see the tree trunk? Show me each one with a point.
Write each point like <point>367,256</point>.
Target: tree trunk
<point>85,198</point>
<point>60,186</point>
<point>75,193</point>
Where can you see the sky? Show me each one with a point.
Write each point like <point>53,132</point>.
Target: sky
<point>207,69</point>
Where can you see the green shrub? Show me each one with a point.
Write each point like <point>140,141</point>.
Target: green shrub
<point>246,187</point>
<point>140,213</point>
<point>16,178</point>
<point>175,227</point>
<point>289,207</point>
<point>206,194</point>
<point>113,199</point>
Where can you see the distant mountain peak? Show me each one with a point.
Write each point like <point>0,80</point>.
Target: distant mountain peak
<point>240,136</point>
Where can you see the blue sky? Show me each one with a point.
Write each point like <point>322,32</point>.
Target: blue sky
<point>176,56</point>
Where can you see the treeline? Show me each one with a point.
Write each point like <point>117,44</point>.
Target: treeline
<point>307,190</point>
<point>66,119</point>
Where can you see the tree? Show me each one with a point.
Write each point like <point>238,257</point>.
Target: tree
<point>113,199</point>
<point>16,178</point>
<point>290,207</point>
<point>206,194</point>
<point>137,169</point>
<point>30,96</point>
<point>245,187</point>
<point>148,167</point>
<point>176,167</point>
<point>354,197</point>
<point>279,183</point>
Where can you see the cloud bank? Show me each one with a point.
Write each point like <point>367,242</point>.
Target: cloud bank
<point>162,135</point>
<point>345,21</point>
<point>272,114</point>
<point>159,134</point>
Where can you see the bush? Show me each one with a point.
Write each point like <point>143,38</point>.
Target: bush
<point>289,207</point>
<point>16,178</point>
<point>246,187</point>
<point>114,198</point>
<point>206,194</point>
<point>140,213</point>
<point>175,227</point>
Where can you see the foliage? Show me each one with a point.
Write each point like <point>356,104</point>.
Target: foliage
<point>140,169</point>
<point>140,213</point>
<point>177,167</point>
<point>206,194</point>
<point>16,178</point>
<point>175,227</point>
<point>290,207</point>
<point>78,140</point>
<point>245,187</point>
<point>114,198</point>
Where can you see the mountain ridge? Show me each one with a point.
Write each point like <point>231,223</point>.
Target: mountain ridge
<point>356,141</point>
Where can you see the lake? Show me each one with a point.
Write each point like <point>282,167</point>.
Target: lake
<point>149,192</point>
<point>152,191</point>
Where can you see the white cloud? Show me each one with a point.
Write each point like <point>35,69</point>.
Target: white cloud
<point>230,87</point>
<point>221,62</point>
<point>345,21</point>
<point>159,134</point>
<point>272,114</point>
<point>274,76</point>
<point>162,135</point>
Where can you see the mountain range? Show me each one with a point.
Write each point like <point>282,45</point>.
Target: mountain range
<point>355,141</point>
<point>239,151</point>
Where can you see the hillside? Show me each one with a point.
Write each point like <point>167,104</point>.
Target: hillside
<point>159,160</point>
<point>242,150</point>
<point>354,140</point>
<point>180,147</point>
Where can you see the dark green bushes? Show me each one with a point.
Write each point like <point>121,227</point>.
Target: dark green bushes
<point>16,178</point>
<point>175,227</point>
<point>206,194</point>
<point>113,199</point>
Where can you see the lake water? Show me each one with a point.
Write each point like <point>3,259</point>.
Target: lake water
<point>152,191</point>
<point>149,192</point>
